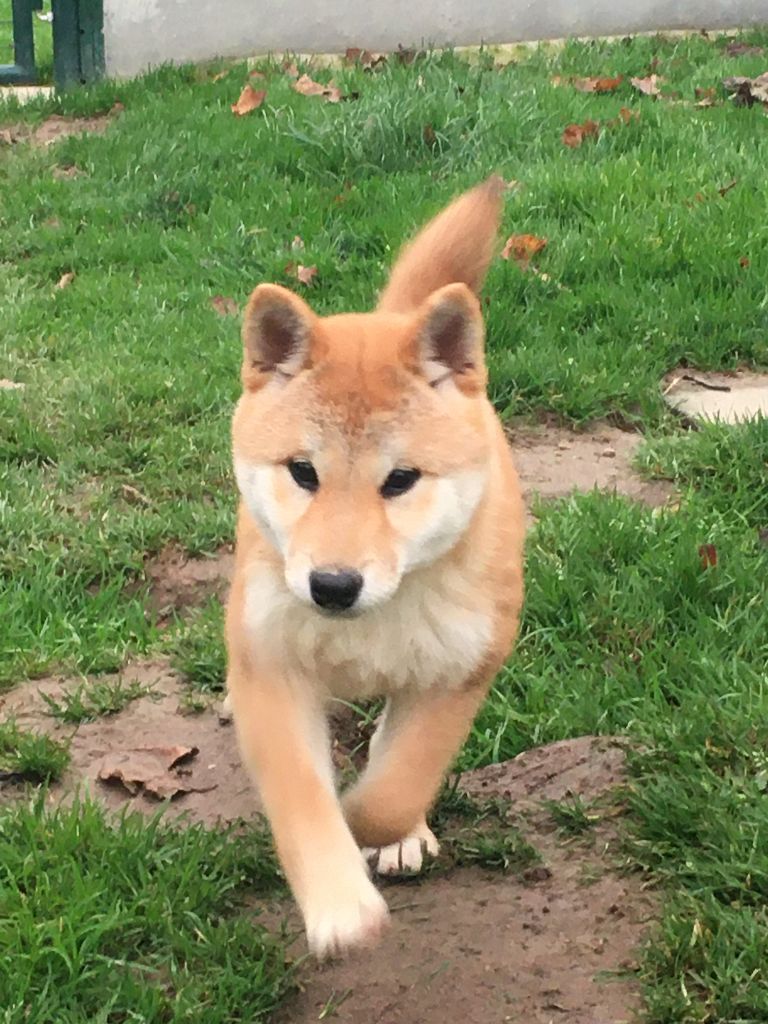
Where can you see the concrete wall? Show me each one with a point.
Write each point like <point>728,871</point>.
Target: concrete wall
<point>142,33</point>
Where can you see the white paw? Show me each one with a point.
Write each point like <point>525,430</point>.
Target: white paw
<point>345,917</point>
<point>406,857</point>
<point>225,710</point>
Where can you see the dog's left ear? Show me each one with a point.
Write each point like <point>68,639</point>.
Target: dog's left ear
<point>278,328</point>
<point>448,343</point>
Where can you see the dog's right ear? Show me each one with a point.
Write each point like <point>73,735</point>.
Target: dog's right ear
<point>277,331</point>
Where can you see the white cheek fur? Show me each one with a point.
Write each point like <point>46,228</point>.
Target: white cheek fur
<point>257,486</point>
<point>455,499</point>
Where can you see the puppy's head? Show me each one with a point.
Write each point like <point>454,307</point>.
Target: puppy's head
<point>361,441</point>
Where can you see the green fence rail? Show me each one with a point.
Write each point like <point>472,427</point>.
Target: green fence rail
<point>78,43</point>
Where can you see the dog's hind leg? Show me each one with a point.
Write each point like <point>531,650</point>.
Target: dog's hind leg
<point>410,753</point>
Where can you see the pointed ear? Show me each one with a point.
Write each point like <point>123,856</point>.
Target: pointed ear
<point>277,331</point>
<point>449,339</point>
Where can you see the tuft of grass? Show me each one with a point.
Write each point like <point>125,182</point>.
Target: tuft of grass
<point>196,648</point>
<point>571,815</point>
<point>94,699</point>
<point>133,921</point>
<point>724,465</point>
<point>30,757</point>
<point>479,833</point>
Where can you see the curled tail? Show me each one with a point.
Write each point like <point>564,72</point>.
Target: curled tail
<point>456,246</point>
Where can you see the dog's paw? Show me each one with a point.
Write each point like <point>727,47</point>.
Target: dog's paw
<point>406,857</point>
<point>345,917</point>
<point>225,711</point>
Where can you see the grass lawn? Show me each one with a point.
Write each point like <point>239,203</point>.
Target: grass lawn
<point>118,444</point>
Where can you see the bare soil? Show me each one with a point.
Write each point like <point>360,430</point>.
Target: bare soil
<point>54,128</point>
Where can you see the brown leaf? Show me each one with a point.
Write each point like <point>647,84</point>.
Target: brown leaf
<point>627,115</point>
<point>574,134</point>
<point>747,91</point>
<point>306,275</point>
<point>249,99</point>
<point>737,49</point>
<point>290,69</point>
<point>522,248</point>
<point>708,556</point>
<point>428,135</point>
<point>307,87</point>
<point>648,86</point>
<point>743,261</point>
<point>705,93</point>
<point>259,75</point>
<point>65,280</point>
<point>224,306</point>
<point>597,84</point>
<point>11,385</point>
<point>725,189</point>
<point>150,769</point>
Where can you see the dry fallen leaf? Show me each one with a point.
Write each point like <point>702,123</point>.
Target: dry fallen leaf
<point>597,84</point>
<point>257,74</point>
<point>522,248</point>
<point>648,86</point>
<point>307,87</point>
<point>65,280</point>
<point>151,769</point>
<point>290,69</point>
<point>574,134</point>
<point>11,385</point>
<point>224,306</point>
<point>743,261</point>
<point>708,556</point>
<point>306,275</point>
<point>366,59</point>
<point>725,189</point>
<point>248,100</point>
<point>748,91</point>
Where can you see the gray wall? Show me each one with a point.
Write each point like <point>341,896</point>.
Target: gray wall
<point>142,33</point>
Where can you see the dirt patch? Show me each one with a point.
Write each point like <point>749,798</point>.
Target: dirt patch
<point>154,720</point>
<point>552,462</point>
<point>178,581</point>
<point>480,947</point>
<point>54,128</point>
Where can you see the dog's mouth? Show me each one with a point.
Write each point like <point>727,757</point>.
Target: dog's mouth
<point>344,614</point>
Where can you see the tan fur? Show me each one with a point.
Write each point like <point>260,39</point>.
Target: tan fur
<point>359,395</point>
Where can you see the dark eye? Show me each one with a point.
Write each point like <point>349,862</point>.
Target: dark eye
<point>398,482</point>
<point>304,474</point>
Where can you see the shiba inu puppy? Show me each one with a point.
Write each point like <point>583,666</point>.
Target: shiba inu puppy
<point>379,553</point>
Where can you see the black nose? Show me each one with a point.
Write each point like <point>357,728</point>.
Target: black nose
<point>335,590</point>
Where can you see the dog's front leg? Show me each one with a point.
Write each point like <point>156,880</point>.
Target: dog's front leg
<point>410,753</point>
<point>283,738</point>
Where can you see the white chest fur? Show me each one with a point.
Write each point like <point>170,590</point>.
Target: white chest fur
<point>431,633</point>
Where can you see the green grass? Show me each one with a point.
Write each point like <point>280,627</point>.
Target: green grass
<point>132,921</point>
<point>130,376</point>
<point>30,757</point>
<point>89,701</point>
